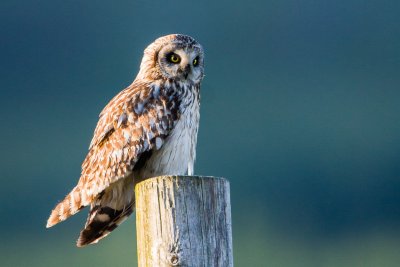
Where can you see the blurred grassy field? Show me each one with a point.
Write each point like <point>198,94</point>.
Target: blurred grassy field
<point>254,245</point>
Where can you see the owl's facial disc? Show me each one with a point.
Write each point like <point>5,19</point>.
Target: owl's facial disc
<point>181,63</point>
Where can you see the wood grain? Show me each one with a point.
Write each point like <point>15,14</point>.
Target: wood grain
<point>184,221</point>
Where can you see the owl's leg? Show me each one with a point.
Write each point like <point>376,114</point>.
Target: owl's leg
<point>111,208</point>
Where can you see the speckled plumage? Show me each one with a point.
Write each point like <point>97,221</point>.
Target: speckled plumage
<point>148,129</point>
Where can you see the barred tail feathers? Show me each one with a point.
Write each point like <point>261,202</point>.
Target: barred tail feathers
<point>71,204</point>
<point>102,220</point>
<point>109,210</point>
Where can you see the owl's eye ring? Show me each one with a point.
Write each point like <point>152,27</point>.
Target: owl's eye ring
<point>196,61</point>
<point>174,58</point>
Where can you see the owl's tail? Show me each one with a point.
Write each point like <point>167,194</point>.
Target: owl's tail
<point>111,208</point>
<point>101,222</point>
<point>71,204</point>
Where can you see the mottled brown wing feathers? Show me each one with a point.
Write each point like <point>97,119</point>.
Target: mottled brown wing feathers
<point>128,126</point>
<point>107,116</point>
<point>136,120</point>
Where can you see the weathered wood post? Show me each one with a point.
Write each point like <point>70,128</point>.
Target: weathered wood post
<point>184,221</point>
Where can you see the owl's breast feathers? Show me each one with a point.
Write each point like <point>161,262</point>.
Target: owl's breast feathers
<point>137,120</point>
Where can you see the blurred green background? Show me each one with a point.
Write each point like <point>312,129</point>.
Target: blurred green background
<point>300,111</point>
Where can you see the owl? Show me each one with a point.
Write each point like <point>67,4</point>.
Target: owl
<point>148,129</point>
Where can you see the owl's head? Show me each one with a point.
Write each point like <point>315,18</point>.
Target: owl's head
<point>176,57</point>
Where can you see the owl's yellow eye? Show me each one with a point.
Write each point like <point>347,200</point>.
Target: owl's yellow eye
<point>174,58</point>
<point>195,61</point>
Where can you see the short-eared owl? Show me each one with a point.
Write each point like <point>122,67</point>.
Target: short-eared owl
<point>146,130</point>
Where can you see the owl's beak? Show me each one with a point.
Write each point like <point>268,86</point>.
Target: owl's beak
<point>186,71</point>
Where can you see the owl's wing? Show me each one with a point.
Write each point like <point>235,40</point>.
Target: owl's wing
<point>135,121</point>
<point>112,111</point>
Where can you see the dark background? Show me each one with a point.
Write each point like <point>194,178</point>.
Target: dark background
<point>300,111</point>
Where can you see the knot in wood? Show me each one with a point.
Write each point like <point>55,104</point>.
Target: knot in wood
<point>174,259</point>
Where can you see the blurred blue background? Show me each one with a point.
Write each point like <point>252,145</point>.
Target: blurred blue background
<point>300,111</point>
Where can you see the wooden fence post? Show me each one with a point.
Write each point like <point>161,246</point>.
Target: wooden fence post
<point>184,221</point>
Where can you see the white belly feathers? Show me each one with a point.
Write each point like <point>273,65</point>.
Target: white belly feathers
<point>177,155</point>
